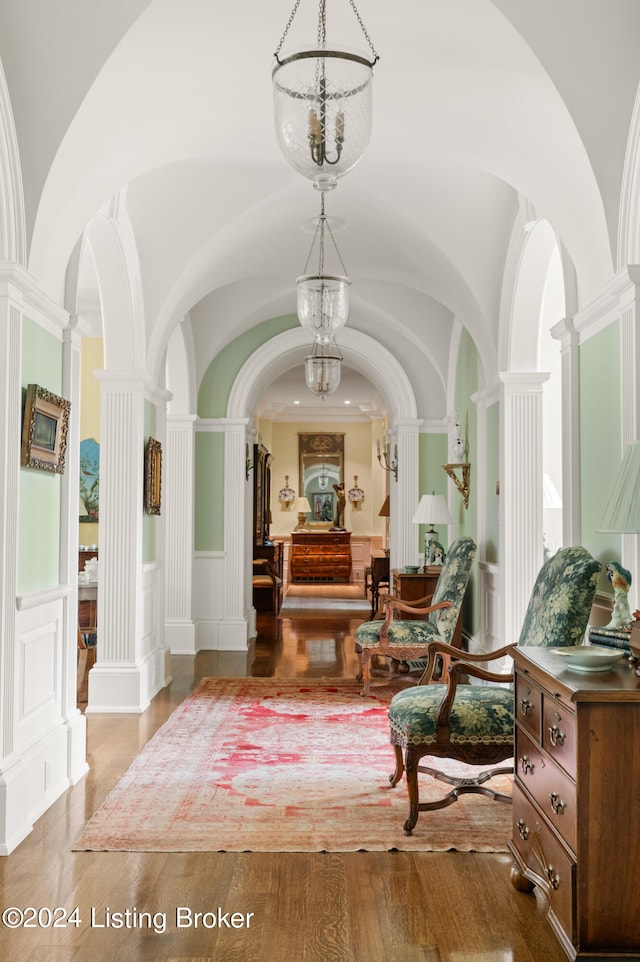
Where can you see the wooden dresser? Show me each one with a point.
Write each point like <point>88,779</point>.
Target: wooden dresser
<point>575,801</point>
<point>322,556</point>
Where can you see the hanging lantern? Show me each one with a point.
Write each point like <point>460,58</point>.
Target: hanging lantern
<point>323,299</point>
<point>322,368</point>
<point>323,105</point>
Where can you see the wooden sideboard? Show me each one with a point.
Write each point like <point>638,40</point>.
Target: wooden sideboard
<point>575,801</point>
<point>410,587</point>
<point>321,556</point>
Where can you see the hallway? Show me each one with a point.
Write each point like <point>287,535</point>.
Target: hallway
<point>357,907</point>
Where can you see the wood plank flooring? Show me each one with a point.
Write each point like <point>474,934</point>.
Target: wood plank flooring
<point>357,907</point>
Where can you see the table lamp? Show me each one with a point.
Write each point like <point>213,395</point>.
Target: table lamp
<point>432,509</point>
<point>303,507</point>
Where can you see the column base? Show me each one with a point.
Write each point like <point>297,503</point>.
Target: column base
<point>128,688</point>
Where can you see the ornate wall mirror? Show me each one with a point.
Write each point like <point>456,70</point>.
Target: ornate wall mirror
<point>321,466</point>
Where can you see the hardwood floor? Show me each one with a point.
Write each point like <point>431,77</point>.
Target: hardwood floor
<point>359,907</point>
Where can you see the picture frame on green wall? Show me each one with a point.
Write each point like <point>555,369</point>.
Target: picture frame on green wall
<point>45,427</point>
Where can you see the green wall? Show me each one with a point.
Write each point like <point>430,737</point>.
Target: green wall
<point>465,519</point>
<point>213,398</point>
<point>432,454</point>
<point>600,438</point>
<point>39,491</point>
<point>219,378</point>
<point>209,487</point>
<point>492,500</point>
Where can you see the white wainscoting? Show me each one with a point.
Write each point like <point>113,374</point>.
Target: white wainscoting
<point>45,737</point>
<point>216,629</point>
<point>490,636</point>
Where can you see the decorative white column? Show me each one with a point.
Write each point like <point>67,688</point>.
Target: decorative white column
<point>178,497</point>
<point>10,415</point>
<point>521,526</point>
<point>238,552</point>
<point>404,494</point>
<point>74,719</point>
<point>630,402</point>
<point>118,680</point>
<point>566,333</point>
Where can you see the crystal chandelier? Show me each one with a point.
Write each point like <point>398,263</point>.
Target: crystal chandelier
<point>322,367</point>
<point>323,299</point>
<point>323,104</point>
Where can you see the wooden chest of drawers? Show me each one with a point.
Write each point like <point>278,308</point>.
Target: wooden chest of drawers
<point>575,801</point>
<point>322,556</point>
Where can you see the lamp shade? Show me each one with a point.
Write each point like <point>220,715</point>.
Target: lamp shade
<point>303,506</point>
<point>432,509</point>
<point>385,510</point>
<point>622,511</point>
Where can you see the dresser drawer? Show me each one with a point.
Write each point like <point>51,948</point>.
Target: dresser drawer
<point>528,706</point>
<point>540,851</point>
<point>549,785</point>
<point>559,733</point>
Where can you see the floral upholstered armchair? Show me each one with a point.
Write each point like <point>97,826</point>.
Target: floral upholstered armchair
<point>475,723</point>
<point>403,640</point>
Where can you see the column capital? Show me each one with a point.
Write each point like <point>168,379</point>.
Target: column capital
<point>521,382</point>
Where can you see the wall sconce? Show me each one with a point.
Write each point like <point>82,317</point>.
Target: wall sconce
<point>356,494</point>
<point>286,495</point>
<point>386,462</point>
<point>461,481</point>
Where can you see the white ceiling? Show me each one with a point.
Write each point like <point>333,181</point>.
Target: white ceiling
<point>486,113</point>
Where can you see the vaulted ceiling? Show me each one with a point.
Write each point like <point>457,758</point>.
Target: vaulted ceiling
<point>486,113</point>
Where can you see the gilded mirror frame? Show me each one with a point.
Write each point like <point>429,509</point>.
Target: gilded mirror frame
<point>315,451</point>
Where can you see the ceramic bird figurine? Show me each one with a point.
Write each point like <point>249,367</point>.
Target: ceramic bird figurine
<point>620,578</point>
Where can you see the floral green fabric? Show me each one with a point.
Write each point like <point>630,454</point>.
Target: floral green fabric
<point>561,600</point>
<point>439,625</point>
<point>480,715</point>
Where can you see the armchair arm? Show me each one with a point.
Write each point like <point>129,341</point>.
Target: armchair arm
<point>456,671</point>
<point>452,657</point>
<point>399,605</point>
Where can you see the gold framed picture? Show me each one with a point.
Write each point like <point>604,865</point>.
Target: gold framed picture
<point>45,427</point>
<point>152,476</point>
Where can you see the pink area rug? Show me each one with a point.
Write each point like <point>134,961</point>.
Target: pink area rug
<point>271,765</point>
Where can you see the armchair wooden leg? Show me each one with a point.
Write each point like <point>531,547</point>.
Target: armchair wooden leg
<point>397,775</point>
<point>411,768</point>
<point>365,661</point>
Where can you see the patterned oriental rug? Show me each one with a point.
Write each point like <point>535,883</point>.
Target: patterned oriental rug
<point>275,765</point>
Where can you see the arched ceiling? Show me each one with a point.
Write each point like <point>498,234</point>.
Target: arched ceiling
<point>478,104</point>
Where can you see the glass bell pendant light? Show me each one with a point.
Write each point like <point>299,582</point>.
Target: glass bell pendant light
<point>323,104</point>
<point>322,368</point>
<point>323,299</point>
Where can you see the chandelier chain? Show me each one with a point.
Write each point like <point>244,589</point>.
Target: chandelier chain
<point>365,32</point>
<point>322,28</point>
<point>287,28</point>
<point>323,224</point>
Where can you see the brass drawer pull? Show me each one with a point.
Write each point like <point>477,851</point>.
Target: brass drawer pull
<point>556,736</point>
<point>526,765</point>
<point>523,828</point>
<point>526,707</point>
<point>553,878</point>
<point>557,804</point>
